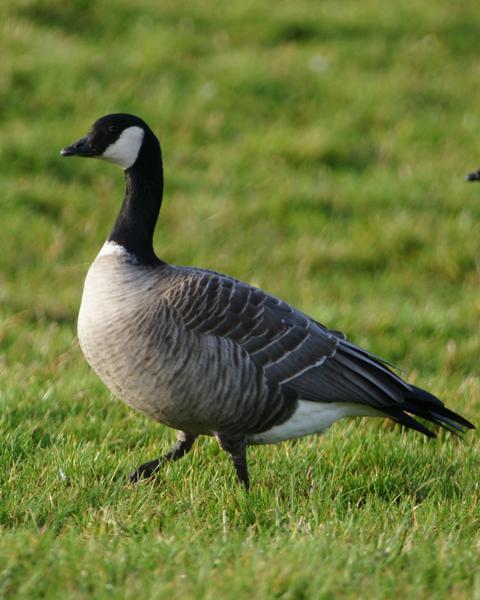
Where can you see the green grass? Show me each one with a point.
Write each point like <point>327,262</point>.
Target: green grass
<point>316,149</point>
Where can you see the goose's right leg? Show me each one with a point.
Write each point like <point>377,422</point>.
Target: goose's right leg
<point>236,446</point>
<point>180,448</point>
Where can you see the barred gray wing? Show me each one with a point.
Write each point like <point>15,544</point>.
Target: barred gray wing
<point>321,365</point>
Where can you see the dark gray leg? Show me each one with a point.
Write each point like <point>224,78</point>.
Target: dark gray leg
<point>236,446</point>
<point>180,448</point>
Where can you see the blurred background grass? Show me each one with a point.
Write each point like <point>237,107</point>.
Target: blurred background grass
<point>316,149</point>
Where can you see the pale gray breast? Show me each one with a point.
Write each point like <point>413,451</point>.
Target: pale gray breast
<point>136,342</point>
<point>121,330</point>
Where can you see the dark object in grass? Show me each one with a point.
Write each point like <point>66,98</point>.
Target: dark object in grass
<point>474,176</point>
<point>207,354</point>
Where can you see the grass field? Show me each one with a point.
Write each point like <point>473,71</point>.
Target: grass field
<point>316,149</point>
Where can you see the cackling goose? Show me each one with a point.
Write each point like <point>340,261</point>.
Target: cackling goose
<point>209,355</point>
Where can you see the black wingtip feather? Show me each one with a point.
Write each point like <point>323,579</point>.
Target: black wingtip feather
<point>438,411</point>
<point>403,418</point>
<point>421,403</point>
<point>401,401</point>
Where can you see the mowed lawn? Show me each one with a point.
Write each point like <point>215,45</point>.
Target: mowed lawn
<point>316,149</point>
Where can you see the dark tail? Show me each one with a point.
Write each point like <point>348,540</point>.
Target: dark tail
<point>374,383</point>
<point>422,404</point>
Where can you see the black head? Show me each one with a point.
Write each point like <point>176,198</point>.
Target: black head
<point>118,138</point>
<point>475,176</point>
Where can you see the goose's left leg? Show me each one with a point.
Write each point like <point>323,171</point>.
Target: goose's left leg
<point>180,448</point>
<point>236,446</point>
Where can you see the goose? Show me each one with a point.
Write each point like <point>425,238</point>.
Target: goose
<point>207,354</point>
<point>473,176</point>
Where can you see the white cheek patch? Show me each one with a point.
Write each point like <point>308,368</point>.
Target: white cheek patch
<point>125,150</point>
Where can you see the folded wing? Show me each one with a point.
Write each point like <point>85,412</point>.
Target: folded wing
<point>295,351</point>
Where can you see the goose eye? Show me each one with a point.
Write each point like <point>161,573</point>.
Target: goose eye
<point>111,129</point>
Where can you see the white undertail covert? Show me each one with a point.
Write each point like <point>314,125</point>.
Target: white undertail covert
<point>312,417</point>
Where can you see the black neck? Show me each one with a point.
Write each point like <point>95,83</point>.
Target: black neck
<point>138,216</point>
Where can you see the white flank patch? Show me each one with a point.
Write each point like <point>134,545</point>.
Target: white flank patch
<point>114,249</point>
<point>125,150</point>
<point>312,417</point>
